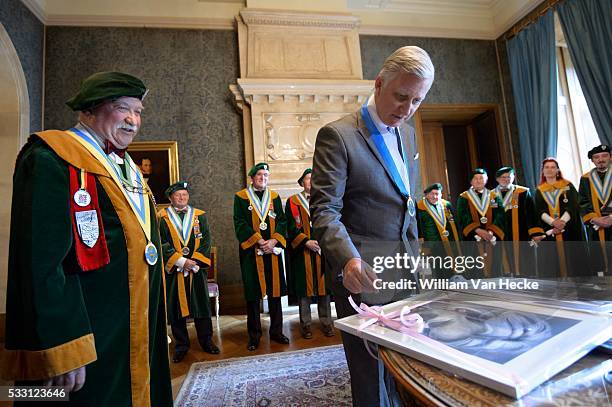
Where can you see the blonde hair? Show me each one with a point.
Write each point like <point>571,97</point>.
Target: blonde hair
<point>411,59</point>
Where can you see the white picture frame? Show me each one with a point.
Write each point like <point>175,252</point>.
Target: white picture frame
<point>570,335</point>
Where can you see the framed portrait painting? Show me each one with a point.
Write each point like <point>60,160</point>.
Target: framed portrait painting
<point>158,162</point>
<point>511,347</point>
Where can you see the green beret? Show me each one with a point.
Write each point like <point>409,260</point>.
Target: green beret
<point>103,86</point>
<point>306,172</point>
<point>257,167</point>
<point>599,149</point>
<point>478,171</point>
<point>430,188</point>
<point>504,170</point>
<point>177,187</point>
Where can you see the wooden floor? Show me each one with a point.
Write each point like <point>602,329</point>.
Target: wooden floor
<point>230,335</point>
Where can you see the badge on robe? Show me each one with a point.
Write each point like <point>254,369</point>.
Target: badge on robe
<point>87,226</point>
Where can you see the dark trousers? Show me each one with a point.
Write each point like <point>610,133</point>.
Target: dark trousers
<point>363,368</point>
<point>254,320</point>
<point>203,327</point>
<point>323,308</point>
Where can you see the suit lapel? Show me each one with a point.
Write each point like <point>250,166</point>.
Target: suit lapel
<point>363,131</point>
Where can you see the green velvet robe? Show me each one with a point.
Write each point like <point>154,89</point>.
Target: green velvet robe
<point>590,207</point>
<point>186,296</point>
<point>261,275</point>
<point>564,254</point>
<point>306,267</point>
<point>434,243</point>
<point>521,207</point>
<point>428,230</point>
<point>468,220</point>
<point>520,227</point>
<point>60,318</point>
<point>468,217</point>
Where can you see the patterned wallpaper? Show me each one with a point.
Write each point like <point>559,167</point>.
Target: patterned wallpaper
<point>188,72</point>
<point>27,34</point>
<point>466,70</point>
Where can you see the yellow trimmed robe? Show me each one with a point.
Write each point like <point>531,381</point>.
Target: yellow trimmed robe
<point>591,204</point>
<point>565,254</point>
<point>469,219</point>
<point>58,318</point>
<point>186,295</point>
<point>261,275</point>
<point>307,274</point>
<point>439,235</point>
<point>521,227</point>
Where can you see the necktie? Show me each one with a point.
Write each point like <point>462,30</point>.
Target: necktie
<point>110,148</point>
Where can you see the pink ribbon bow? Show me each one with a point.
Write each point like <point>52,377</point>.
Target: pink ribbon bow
<point>402,321</point>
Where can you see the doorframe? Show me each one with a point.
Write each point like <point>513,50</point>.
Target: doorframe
<point>445,110</point>
<point>12,61</point>
<point>22,87</point>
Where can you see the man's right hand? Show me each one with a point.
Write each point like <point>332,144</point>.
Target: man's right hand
<point>312,245</point>
<point>189,265</point>
<point>483,234</point>
<point>71,381</point>
<point>358,277</point>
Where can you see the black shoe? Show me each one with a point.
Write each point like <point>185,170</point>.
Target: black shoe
<point>306,334</point>
<point>328,331</point>
<point>280,338</point>
<point>210,347</point>
<point>179,355</point>
<point>253,344</point>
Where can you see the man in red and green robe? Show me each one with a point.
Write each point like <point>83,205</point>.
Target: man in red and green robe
<point>261,226</point>
<point>185,240</point>
<point>307,273</point>
<point>85,305</point>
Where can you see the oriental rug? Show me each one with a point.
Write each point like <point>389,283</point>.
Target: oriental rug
<point>311,377</point>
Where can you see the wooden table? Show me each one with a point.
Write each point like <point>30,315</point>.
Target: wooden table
<point>419,384</point>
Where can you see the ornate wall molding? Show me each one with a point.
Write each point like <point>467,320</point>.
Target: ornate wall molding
<point>299,71</point>
<point>268,18</point>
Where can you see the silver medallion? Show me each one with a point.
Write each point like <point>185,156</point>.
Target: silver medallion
<point>185,251</point>
<point>82,197</point>
<point>263,226</point>
<point>151,254</point>
<point>484,219</point>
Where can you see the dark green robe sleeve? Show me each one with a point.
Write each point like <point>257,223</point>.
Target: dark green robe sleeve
<point>281,223</point>
<point>166,240</point>
<point>205,240</point>
<point>464,218</point>
<point>242,221</point>
<point>586,202</point>
<point>292,230</point>
<point>45,306</point>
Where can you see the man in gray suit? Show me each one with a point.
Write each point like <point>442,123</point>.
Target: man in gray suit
<point>361,203</point>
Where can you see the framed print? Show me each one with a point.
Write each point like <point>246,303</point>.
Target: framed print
<point>158,161</point>
<point>510,347</point>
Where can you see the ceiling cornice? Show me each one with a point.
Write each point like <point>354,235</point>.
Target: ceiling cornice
<point>471,19</point>
<point>148,22</point>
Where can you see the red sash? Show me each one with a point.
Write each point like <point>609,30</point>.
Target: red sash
<point>88,258</point>
<point>295,211</point>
